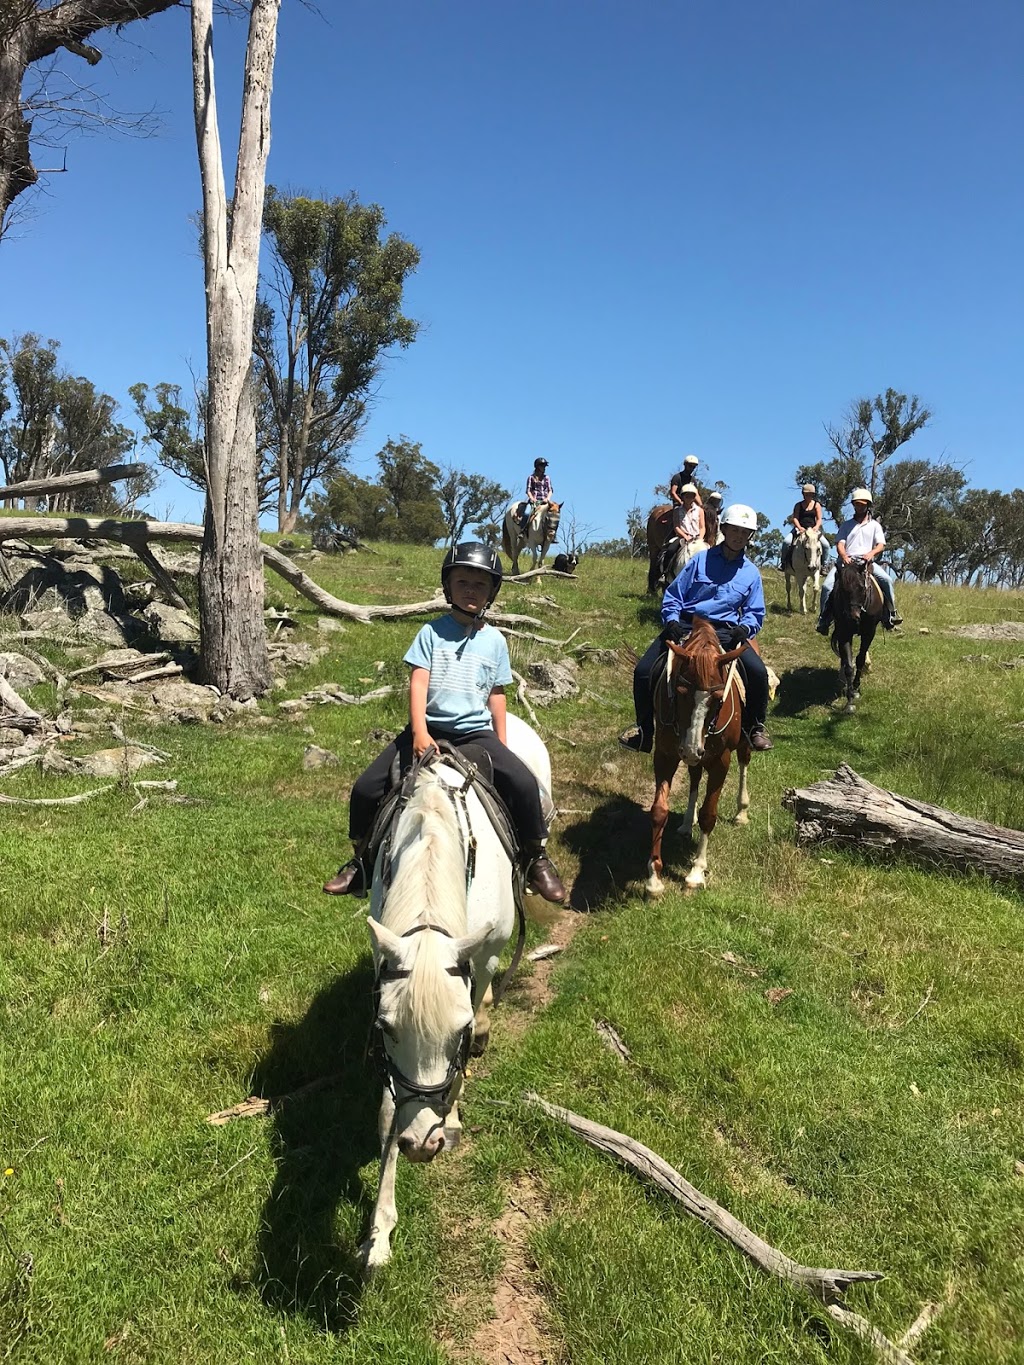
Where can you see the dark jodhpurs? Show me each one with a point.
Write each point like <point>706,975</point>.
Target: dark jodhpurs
<point>751,666</point>
<point>515,783</point>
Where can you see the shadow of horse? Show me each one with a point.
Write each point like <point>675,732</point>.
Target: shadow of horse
<point>804,687</point>
<point>322,1139</point>
<point>611,844</point>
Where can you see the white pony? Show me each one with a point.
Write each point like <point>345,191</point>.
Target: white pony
<point>804,564</point>
<point>542,530</point>
<point>442,909</point>
<point>682,554</point>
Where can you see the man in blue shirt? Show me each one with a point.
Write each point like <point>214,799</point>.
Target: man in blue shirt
<point>722,585</point>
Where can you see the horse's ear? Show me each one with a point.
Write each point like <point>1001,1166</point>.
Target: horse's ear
<point>724,660</point>
<point>466,947</point>
<point>388,943</point>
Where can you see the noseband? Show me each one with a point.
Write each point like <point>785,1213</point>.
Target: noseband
<point>390,1072</point>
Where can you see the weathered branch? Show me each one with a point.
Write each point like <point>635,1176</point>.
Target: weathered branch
<point>847,810</point>
<point>825,1284</point>
<point>138,533</point>
<point>59,483</point>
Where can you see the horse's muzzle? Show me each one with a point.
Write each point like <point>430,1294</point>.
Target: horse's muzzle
<point>423,1151</point>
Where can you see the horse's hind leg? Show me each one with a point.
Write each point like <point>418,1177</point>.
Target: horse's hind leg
<point>789,592</point>
<point>376,1250</point>
<point>696,773</point>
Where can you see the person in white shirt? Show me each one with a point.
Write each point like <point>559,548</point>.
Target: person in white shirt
<point>860,538</point>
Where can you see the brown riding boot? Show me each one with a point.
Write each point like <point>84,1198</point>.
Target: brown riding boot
<point>542,877</point>
<point>349,880</point>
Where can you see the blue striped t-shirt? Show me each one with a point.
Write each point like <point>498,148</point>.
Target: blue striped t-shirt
<point>464,666</point>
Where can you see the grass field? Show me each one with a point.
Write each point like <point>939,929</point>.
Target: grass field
<point>164,963</point>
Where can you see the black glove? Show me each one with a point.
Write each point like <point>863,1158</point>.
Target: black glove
<point>739,635</point>
<point>674,633</point>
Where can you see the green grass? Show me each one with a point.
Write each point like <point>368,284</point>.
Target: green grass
<point>847,1124</point>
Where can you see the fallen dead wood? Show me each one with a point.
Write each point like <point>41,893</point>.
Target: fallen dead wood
<point>13,705</point>
<point>138,787</point>
<point>521,697</point>
<point>60,483</point>
<point>136,534</point>
<point>847,810</point>
<point>826,1285</point>
<point>257,1107</point>
<point>612,1041</point>
<point>119,669</point>
<point>540,639</point>
<point>537,573</point>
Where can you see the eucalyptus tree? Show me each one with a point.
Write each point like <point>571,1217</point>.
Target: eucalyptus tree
<point>875,428</point>
<point>41,99</point>
<point>330,308</point>
<point>233,639</point>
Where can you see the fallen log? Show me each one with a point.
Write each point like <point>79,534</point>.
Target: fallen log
<point>847,810</point>
<point>60,483</point>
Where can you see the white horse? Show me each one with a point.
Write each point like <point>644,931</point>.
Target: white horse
<point>542,530</point>
<point>681,554</point>
<point>804,564</point>
<point>440,917</point>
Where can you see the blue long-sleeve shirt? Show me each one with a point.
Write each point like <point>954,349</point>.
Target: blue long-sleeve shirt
<point>726,591</point>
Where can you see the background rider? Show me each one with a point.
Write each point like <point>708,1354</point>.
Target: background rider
<point>722,585</point>
<point>860,538</point>
<point>538,490</point>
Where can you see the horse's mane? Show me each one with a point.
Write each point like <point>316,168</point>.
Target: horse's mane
<point>428,887</point>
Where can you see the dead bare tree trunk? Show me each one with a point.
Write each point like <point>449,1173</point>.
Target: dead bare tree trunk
<point>59,483</point>
<point>848,810</point>
<point>233,641</point>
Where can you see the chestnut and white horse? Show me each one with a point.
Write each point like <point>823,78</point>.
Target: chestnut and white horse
<point>804,564</point>
<point>442,909</point>
<point>541,532</point>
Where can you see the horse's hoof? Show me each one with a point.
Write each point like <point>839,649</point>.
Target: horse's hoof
<point>691,888</point>
<point>372,1258</point>
<point>742,819</point>
<point>479,1044</point>
<point>655,890</point>
<point>849,709</point>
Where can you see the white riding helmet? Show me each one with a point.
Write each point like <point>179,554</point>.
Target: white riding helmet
<point>715,496</point>
<point>861,495</point>
<point>690,459</point>
<point>689,488</point>
<point>739,514</point>
<point>808,488</point>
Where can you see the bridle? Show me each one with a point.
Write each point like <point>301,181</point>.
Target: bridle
<point>391,1073</point>
<point>686,687</point>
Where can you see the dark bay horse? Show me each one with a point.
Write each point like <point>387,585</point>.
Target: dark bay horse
<point>698,707</point>
<point>856,609</point>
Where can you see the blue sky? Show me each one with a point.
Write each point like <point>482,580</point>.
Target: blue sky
<point>645,229</point>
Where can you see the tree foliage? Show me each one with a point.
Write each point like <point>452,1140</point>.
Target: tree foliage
<point>470,500</point>
<point>329,311</point>
<point>53,422</point>
<point>41,97</point>
<point>402,506</point>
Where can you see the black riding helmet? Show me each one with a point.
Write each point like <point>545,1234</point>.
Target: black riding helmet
<point>471,554</point>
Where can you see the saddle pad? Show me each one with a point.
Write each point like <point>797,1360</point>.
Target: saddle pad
<point>875,602</point>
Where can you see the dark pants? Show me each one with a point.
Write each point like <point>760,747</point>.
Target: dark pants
<point>750,665</point>
<point>515,783</point>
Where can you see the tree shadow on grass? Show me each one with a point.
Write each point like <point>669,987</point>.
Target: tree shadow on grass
<point>613,844</point>
<point>322,1138</point>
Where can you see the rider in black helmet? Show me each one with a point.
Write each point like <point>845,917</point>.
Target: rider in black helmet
<point>459,670</point>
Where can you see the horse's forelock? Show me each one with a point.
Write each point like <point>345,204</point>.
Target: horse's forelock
<point>429,878</point>
<point>702,651</point>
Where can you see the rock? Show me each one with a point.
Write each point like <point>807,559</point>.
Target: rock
<point>117,762</point>
<point>170,625</point>
<point>10,737</point>
<point>315,757</point>
<point>295,655</point>
<point>19,671</point>
<point>139,595</point>
<point>923,630</point>
<point>186,702</point>
<point>295,707</point>
<point>996,630</point>
<point>330,625</point>
<point>551,682</point>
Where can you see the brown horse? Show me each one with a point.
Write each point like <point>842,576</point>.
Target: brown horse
<point>857,605</point>
<point>698,709</point>
<point>659,528</point>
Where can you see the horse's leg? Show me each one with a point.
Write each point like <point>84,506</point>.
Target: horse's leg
<point>696,773</point>
<point>789,598</point>
<point>482,1024</point>
<point>846,673</point>
<point>707,819</point>
<point>376,1250</point>
<point>867,636</point>
<point>816,590</point>
<point>665,766</point>
<point>743,796</point>
<point>452,1122</point>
